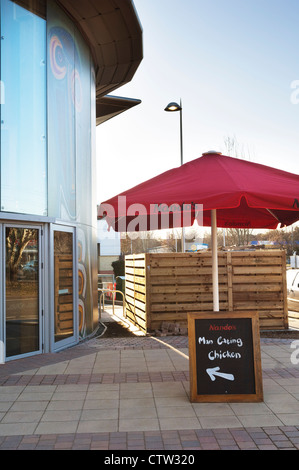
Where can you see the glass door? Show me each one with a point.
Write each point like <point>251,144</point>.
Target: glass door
<point>64,305</point>
<point>22,290</point>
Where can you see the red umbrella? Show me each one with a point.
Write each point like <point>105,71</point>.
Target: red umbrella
<point>219,190</point>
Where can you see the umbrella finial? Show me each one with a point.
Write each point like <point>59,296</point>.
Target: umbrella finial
<point>210,152</point>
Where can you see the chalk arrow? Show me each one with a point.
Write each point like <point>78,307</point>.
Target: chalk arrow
<point>214,371</point>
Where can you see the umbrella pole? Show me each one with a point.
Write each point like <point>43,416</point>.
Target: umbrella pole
<point>215,261</point>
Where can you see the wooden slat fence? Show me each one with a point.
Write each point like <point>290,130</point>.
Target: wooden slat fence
<point>164,287</point>
<point>63,297</point>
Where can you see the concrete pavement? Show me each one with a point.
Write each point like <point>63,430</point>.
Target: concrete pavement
<point>132,393</point>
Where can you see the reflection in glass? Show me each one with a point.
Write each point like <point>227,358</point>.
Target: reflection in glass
<point>23,111</point>
<point>63,285</point>
<point>22,291</point>
<point>63,81</point>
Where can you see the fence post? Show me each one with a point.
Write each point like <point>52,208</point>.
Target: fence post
<point>229,281</point>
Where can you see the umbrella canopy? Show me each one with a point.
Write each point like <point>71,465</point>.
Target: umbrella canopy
<point>218,191</point>
<point>245,194</point>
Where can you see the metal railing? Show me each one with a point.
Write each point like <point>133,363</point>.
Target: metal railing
<point>102,298</point>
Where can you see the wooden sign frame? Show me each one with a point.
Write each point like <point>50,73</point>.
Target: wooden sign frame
<point>231,320</point>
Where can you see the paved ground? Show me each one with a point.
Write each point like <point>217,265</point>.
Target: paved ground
<point>132,393</point>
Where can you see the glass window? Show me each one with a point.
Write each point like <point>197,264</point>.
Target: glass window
<point>22,291</point>
<point>23,111</point>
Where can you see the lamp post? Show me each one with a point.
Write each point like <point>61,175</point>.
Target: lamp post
<point>174,107</point>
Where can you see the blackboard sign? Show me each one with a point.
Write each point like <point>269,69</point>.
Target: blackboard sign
<point>224,356</point>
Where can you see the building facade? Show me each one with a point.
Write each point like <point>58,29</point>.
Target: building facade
<point>59,60</point>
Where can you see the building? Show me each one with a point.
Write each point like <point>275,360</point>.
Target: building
<point>108,249</point>
<point>59,61</point>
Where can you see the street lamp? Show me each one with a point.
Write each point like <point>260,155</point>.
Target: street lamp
<point>174,107</point>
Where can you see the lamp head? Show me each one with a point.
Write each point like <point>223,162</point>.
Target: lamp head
<point>171,107</point>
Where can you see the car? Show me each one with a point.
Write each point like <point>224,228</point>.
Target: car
<point>293,289</point>
<point>30,269</point>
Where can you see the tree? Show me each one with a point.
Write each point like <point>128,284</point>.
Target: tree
<point>16,242</point>
<point>236,150</point>
<point>281,238</point>
<point>236,236</point>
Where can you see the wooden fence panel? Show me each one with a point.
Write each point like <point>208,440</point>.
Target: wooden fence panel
<point>63,298</point>
<point>166,286</point>
<point>135,293</point>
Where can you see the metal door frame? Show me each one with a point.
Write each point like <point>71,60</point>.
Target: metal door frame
<point>2,300</point>
<point>75,338</point>
<point>41,293</point>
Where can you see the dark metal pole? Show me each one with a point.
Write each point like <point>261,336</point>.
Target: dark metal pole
<point>181,131</point>
<point>182,160</point>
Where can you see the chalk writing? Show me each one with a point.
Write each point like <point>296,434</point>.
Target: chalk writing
<point>212,355</point>
<point>226,327</point>
<point>221,340</point>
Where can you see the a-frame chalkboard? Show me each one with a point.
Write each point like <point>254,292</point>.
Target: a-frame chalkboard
<point>225,357</point>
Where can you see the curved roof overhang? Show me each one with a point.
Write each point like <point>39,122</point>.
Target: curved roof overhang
<point>114,34</point>
<point>111,106</point>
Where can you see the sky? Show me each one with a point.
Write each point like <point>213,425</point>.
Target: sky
<point>235,66</point>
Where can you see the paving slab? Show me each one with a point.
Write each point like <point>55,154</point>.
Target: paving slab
<point>132,393</point>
